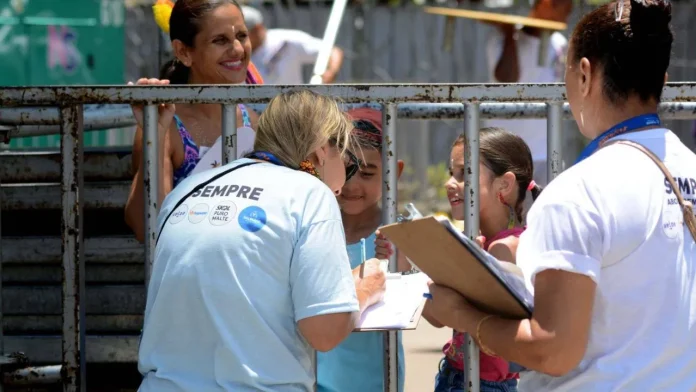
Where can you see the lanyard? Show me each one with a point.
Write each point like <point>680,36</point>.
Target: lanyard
<point>630,125</point>
<point>266,156</point>
<point>305,166</point>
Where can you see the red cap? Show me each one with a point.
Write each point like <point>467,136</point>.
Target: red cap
<point>367,114</point>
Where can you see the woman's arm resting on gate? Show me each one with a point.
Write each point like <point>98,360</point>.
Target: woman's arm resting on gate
<point>135,205</point>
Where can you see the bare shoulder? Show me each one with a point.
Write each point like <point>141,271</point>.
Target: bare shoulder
<point>505,249</point>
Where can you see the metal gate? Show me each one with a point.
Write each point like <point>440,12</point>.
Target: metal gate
<point>468,101</point>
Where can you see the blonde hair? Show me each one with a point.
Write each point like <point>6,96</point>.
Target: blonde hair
<point>298,122</point>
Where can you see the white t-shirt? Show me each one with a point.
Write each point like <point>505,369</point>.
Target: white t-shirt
<point>283,54</point>
<point>237,265</point>
<point>613,217</point>
<point>533,131</point>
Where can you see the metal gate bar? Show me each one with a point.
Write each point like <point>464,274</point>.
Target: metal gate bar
<point>472,124</point>
<point>389,213</point>
<point>229,133</point>
<point>73,363</point>
<point>151,179</point>
<point>39,121</point>
<point>554,142</point>
<point>349,93</point>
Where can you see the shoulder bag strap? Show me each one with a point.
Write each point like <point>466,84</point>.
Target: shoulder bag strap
<point>196,188</point>
<point>686,206</point>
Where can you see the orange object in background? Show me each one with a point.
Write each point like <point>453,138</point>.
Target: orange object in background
<point>253,75</point>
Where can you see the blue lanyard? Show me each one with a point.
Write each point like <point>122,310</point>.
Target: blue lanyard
<point>266,156</point>
<point>630,125</point>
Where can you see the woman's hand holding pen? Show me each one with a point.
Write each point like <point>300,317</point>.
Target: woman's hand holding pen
<point>371,286</point>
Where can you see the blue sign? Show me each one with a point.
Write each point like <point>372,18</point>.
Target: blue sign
<point>252,219</point>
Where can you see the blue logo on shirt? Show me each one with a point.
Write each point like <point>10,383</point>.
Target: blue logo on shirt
<point>252,219</point>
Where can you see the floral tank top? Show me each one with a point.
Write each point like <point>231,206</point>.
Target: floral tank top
<point>192,152</point>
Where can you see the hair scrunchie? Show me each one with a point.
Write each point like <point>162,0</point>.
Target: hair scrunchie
<point>531,185</point>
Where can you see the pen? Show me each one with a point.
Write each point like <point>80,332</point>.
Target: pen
<point>362,249</point>
<point>363,255</point>
<point>427,295</point>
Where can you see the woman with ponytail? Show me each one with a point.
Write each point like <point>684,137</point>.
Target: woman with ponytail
<point>609,247</point>
<point>211,46</point>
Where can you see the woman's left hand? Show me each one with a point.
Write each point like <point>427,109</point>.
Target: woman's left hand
<point>446,306</point>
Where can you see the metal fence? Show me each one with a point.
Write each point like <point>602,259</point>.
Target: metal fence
<point>471,102</point>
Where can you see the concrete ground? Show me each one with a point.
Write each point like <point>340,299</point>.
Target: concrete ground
<point>423,348</point>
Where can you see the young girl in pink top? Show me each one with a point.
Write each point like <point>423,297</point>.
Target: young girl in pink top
<point>505,178</point>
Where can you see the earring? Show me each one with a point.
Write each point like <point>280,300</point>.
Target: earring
<point>511,211</point>
<point>307,167</point>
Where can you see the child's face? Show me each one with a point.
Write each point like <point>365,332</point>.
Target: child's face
<point>364,189</point>
<point>455,184</point>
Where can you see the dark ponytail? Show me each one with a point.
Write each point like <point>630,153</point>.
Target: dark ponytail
<point>175,71</point>
<point>536,191</point>
<point>630,41</point>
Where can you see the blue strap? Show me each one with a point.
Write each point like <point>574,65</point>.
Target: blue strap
<point>178,122</point>
<point>266,156</point>
<point>630,125</point>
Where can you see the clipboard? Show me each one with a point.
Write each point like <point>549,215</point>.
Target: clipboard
<point>411,295</point>
<point>451,259</point>
<point>498,18</point>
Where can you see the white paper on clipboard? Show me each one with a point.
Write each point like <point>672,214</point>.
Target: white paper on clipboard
<point>397,310</point>
<point>213,156</point>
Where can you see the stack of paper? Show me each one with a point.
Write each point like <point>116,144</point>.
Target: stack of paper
<point>398,309</point>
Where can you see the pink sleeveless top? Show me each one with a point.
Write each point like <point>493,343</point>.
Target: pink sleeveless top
<point>492,368</point>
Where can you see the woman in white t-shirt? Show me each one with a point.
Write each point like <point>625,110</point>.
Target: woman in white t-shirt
<point>251,272</point>
<point>607,252</point>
